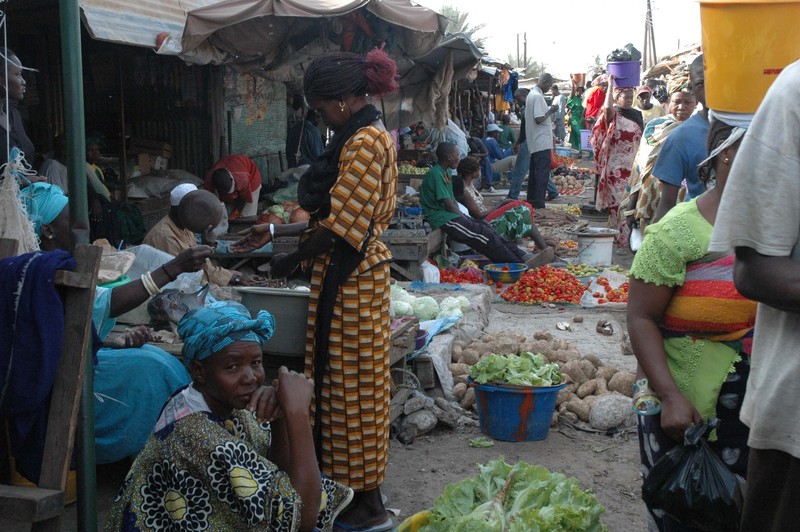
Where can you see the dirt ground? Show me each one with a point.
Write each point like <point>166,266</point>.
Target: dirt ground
<point>608,465</point>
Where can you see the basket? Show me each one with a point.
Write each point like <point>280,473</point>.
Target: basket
<point>496,271</point>
<point>516,413</point>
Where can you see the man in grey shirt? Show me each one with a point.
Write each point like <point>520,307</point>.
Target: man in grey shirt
<point>539,137</point>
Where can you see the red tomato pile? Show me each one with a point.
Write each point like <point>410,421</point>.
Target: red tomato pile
<point>458,277</point>
<point>545,285</point>
<point>611,295</point>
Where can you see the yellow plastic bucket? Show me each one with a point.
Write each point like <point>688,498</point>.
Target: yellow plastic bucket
<point>746,44</point>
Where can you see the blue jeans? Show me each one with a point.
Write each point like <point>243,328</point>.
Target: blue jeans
<point>520,170</point>
<point>539,176</point>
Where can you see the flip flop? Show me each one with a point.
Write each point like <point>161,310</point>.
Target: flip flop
<point>383,527</point>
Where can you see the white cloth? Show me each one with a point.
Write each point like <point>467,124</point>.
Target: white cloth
<point>760,209</point>
<point>56,174</point>
<point>177,193</point>
<point>249,209</point>
<point>453,133</point>
<point>539,137</point>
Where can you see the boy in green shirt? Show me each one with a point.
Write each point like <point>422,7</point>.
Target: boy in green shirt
<point>441,211</point>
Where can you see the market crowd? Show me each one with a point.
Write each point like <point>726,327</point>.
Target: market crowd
<point>707,200</point>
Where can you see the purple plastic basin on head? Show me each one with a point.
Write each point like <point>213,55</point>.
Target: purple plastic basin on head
<point>627,73</point>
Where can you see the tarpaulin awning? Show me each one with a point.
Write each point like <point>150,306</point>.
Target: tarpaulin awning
<point>277,38</point>
<point>136,22</point>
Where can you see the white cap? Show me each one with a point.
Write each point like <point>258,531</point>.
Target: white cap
<point>493,127</point>
<point>179,192</point>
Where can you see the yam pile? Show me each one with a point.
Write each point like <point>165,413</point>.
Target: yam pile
<point>588,378</point>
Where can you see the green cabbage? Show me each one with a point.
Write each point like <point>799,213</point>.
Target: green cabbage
<point>425,308</point>
<point>401,309</point>
<point>398,293</point>
<point>525,369</point>
<point>463,302</point>
<point>515,498</point>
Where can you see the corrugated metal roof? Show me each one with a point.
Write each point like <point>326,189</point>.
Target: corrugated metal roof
<point>136,22</point>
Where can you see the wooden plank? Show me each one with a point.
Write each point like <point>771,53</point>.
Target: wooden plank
<point>65,397</point>
<point>22,503</point>
<point>74,279</point>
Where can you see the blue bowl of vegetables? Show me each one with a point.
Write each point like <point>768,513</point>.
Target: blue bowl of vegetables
<point>505,272</point>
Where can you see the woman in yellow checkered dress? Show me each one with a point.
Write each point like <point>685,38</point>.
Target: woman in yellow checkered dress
<point>350,192</point>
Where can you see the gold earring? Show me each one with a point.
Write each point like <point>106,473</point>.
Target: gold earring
<point>341,106</point>
<point>726,160</point>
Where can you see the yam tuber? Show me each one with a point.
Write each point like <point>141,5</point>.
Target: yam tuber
<point>581,409</point>
<point>541,335</point>
<point>563,396</point>
<point>468,401</point>
<point>470,357</point>
<point>596,362</point>
<point>569,417</point>
<point>606,372</point>
<point>587,388</point>
<point>622,382</point>
<point>460,379</point>
<point>457,352</point>
<point>588,368</point>
<point>459,369</point>
<point>459,390</point>
<point>602,387</point>
<point>591,400</point>
<point>575,371</point>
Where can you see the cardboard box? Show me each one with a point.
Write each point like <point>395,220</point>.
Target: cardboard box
<point>149,164</point>
<point>156,148</point>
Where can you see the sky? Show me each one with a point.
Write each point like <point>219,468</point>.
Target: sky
<point>566,35</point>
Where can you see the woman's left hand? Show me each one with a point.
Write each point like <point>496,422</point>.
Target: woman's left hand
<point>282,265</point>
<point>136,336</point>
<point>264,404</point>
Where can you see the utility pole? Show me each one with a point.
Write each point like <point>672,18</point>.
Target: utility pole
<point>517,50</point>
<point>525,52</point>
<point>649,57</point>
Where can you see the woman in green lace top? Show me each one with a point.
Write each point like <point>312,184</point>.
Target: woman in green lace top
<point>689,327</point>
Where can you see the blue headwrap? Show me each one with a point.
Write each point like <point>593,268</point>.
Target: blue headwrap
<point>208,330</point>
<point>44,203</point>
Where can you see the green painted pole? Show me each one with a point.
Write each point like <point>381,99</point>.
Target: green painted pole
<point>75,135</point>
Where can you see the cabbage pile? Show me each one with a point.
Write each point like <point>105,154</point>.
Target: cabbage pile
<point>518,498</point>
<point>425,307</point>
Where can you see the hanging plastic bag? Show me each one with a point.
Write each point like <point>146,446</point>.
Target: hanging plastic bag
<point>692,484</point>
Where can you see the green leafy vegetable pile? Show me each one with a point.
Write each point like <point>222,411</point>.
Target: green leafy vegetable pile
<point>525,369</point>
<point>518,498</point>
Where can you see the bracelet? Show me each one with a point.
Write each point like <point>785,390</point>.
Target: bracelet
<point>170,277</point>
<point>272,231</point>
<point>150,285</point>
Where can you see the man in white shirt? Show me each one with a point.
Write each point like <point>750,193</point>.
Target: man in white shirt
<point>539,137</point>
<point>759,217</point>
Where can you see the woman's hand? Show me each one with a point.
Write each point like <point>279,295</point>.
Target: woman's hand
<point>294,392</point>
<point>136,336</point>
<point>252,238</point>
<point>264,404</point>
<point>677,413</point>
<point>283,264</point>
<point>190,260</point>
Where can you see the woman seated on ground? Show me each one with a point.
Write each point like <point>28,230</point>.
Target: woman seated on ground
<point>691,330</point>
<point>211,462</point>
<point>131,383</point>
<point>512,220</point>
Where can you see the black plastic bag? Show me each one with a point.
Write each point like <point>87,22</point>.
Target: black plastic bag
<point>693,485</point>
<point>626,53</point>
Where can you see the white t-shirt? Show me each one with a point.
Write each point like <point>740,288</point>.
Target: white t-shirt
<point>760,209</point>
<point>539,137</point>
